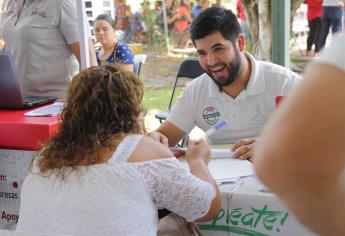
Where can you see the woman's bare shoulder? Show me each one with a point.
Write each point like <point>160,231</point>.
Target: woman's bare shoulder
<point>150,149</point>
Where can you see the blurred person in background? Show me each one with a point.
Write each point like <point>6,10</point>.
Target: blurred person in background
<point>171,7</point>
<point>100,164</point>
<point>202,5</point>
<point>122,20</point>
<point>183,19</point>
<point>138,27</point>
<point>344,18</point>
<point>301,153</point>
<point>314,13</point>
<point>241,14</point>
<point>43,37</point>
<point>332,13</point>
<point>111,51</point>
<point>218,3</point>
<point>127,33</point>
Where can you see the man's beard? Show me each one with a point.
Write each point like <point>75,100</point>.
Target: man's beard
<point>234,68</point>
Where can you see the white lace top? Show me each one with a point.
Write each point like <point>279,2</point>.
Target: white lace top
<point>115,198</point>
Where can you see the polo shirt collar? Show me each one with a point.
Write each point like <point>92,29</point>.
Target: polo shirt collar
<point>256,84</point>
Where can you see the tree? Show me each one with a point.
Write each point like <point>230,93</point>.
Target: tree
<point>260,24</point>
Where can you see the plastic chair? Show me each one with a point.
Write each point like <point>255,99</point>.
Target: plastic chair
<point>189,68</point>
<point>139,60</point>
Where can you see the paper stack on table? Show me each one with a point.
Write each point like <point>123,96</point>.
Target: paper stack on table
<point>215,152</point>
<point>225,168</point>
<point>49,110</point>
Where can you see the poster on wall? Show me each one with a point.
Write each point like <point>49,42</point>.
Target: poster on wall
<point>14,166</point>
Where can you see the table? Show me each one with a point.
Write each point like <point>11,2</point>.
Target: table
<point>19,132</point>
<point>16,233</point>
<point>248,208</point>
<point>20,137</point>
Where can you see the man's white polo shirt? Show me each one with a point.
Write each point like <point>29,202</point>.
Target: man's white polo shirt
<point>38,37</point>
<point>203,105</point>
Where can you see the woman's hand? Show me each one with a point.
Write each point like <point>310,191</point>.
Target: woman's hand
<point>198,151</point>
<point>198,155</point>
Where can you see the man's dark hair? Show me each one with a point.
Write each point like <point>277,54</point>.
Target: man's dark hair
<point>215,19</point>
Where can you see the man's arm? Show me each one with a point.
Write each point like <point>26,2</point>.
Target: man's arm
<point>173,133</point>
<point>75,48</point>
<point>301,153</point>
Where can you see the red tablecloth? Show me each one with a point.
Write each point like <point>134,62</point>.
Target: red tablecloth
<point>25,133</point>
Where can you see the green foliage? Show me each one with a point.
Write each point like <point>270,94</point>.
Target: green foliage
<point>158,99</point>
<point>152,18</point>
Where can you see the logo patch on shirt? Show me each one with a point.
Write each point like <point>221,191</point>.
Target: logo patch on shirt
<point>11,13</point>
<point>36,12</point>
<point>211,115</point>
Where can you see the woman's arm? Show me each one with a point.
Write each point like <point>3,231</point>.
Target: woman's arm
<point>196,183</point>
<point>124,57</point>
<point>198,155</point>
<point>173,18</point>
<point>75,48</point>
<point>301,153</point>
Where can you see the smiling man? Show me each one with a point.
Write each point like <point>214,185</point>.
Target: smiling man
<point>235,87</point>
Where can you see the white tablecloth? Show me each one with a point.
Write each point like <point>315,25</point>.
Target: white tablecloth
<point>248,208</point>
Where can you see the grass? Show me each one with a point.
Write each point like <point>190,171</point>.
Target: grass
<point>158,99</point>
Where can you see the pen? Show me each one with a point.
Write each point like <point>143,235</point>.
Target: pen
<point>219,125</point>
<point>227,181</point>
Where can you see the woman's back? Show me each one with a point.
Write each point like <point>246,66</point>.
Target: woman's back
<point>101,199</point>
<point>81,186</point>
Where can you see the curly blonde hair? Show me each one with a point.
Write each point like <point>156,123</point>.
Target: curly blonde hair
<point>103,105</point>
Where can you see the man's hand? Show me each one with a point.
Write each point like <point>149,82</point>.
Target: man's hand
<point>159,137</point>
<point>244,149</point>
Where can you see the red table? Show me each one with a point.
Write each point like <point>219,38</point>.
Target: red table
<point>25,133</point>
<point>20,137</point>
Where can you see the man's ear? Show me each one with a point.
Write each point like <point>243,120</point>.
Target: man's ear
<point>241,42</point>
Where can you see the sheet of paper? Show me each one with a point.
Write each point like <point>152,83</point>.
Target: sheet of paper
<point>223,169</point>
<point>227,169</point>
<point>50,110</point>
<point>216,153</point>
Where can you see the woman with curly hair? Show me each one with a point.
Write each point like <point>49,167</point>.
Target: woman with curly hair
<point>100,175</point>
